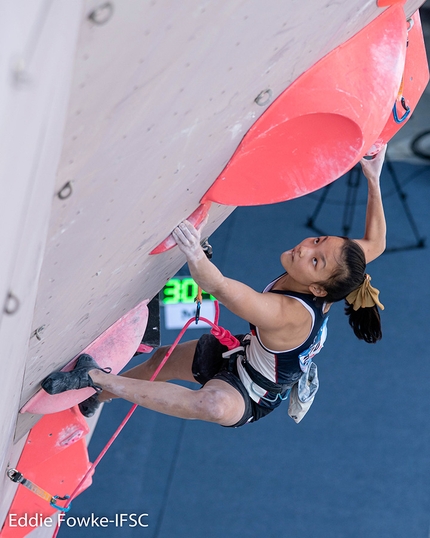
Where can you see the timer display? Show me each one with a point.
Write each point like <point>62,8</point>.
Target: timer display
<point>182,290</point>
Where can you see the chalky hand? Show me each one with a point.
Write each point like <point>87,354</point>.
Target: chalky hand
<point>188,239</point>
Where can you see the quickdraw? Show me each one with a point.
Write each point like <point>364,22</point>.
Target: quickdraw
<point>19,478</point>
<point>400,97</point>
<point>198,299</point>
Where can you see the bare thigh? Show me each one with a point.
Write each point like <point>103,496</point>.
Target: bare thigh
<point>178,366</point>
<point>217,401</point>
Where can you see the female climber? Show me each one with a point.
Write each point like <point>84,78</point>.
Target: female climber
<point>288,327</point>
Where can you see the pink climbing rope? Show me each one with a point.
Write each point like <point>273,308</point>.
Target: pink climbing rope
<point>223,335</point>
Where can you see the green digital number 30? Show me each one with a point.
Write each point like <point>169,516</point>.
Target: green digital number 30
<point>183,290</point>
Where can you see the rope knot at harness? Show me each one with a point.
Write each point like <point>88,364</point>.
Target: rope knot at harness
<point>225,337</point>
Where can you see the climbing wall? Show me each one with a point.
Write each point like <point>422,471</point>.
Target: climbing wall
<point>118,118</point>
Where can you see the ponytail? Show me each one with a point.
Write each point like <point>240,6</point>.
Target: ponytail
<point>351,283</point>
<point>365,322</point>
<point>362,309</point>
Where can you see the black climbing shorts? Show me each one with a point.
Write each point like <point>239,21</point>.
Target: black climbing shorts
<point>209,364</point>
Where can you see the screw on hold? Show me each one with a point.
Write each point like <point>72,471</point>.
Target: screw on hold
<point>65,191</point>
<point>38,331</point>
<point>11,304</point>
<point>264,97</point>
<point>101,14</point>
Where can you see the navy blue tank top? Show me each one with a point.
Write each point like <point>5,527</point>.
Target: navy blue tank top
<point>285,367</point>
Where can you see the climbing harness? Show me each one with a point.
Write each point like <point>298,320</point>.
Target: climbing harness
<point>17,477</point>
<point>257,380</point>
<point>263,382</point>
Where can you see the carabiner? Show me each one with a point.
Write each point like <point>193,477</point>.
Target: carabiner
<point>61,508</point>
<point>405,115</point>
<point>198,308</point>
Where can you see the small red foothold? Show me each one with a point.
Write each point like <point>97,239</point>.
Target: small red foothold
<point>196,218</point>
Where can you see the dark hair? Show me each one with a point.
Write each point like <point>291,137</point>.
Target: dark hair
<point>365,322</point>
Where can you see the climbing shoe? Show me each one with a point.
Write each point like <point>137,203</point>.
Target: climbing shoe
<point>89,406</point>
<point>78,378</point>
